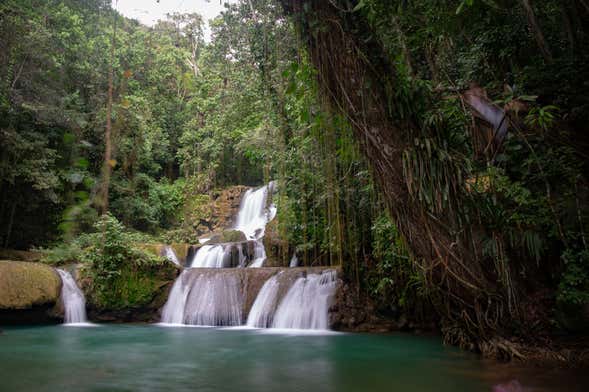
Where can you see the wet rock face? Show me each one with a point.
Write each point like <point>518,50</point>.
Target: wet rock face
<point>277,248</point>
<point>149,313</point>
<point>227,236</point>
<point>215,212</point>
<point>29,293</point>
<point>154,281</point>
<point>225,207</point>
<point>351,311</point>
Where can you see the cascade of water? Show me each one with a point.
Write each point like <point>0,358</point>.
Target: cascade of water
<point>171,255</point>
<point>214,300</point>
<point>206,299</point>
<point>253,213</point>
<point>262,311</point>
<point>242,257</point>
<point>217,298</point>
<point>306,304</point>
<point>73,299</point>
<point>173,311</point>
<point>259,255</point>
<point>294,262</point>
<point>212,256</point>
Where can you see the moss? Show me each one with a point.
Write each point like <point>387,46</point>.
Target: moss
<point>24,285</point>
<point>133,287</point>
<point>154,249</point>
<point>181,250</point>
<point>227,236</point>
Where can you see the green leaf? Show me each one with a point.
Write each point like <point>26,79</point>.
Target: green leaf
<point>361,4</point>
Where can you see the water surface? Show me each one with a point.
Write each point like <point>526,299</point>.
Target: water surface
<point>156,358</point>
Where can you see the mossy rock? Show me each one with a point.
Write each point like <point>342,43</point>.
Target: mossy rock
<point>181,250</point>
<point>227,236</point>
<point>278,251</point>
<point>24,285</point>
<point>154,249</point>
<point>131,296</point>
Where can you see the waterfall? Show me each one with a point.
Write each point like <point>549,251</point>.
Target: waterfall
<point>262,310</point>
<point>173,311</point>
<point>253,213</point>
<point>207,299</point>
<point>215,298</point>
<point>242,259</point>
<point>214,301</point>
<point>212,256</point>
<point>306,304</point>
<point>294,262</point>
<point>171,255</point>
<point>259,255</point>
<point>251,219</point>
<point>73,299</point>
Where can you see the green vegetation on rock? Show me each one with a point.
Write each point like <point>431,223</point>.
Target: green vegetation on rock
<point>116,273</point>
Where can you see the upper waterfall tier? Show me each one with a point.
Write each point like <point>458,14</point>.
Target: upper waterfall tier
<point>226,250</point>
<point>254,212</point>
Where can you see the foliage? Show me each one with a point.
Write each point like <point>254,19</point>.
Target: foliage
<point>487,226</point>
<point>393,282</point>
<point>120,272</point>
<point>574,285</point>
<point>121,275</point>
<point>470,225</point>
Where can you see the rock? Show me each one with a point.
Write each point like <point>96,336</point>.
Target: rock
<point>353,312</point>
<point>24,285</point>
<point>277,249</point>
<point>141,292</point>
<point>227,236</point>
<point>29,292</point>
<point>226,205</point>
<point>154,249</point>
<point>214,211</point>
<point>181,251</point>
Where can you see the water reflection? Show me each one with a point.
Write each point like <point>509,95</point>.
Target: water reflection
<point>207,359</point>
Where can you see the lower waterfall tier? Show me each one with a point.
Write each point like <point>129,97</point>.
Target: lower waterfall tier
<point>265,297</point>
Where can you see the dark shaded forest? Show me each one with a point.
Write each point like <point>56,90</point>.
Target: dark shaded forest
<point>436,150</point>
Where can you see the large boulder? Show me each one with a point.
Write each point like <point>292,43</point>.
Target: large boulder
<point>226,236</point>
<point>28,292</point>
<point>136,295</point>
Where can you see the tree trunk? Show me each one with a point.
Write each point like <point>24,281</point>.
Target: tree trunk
<point>359,79</point>
<point>538,35</point>
<point>108,163</point>
<point>10,223</point>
